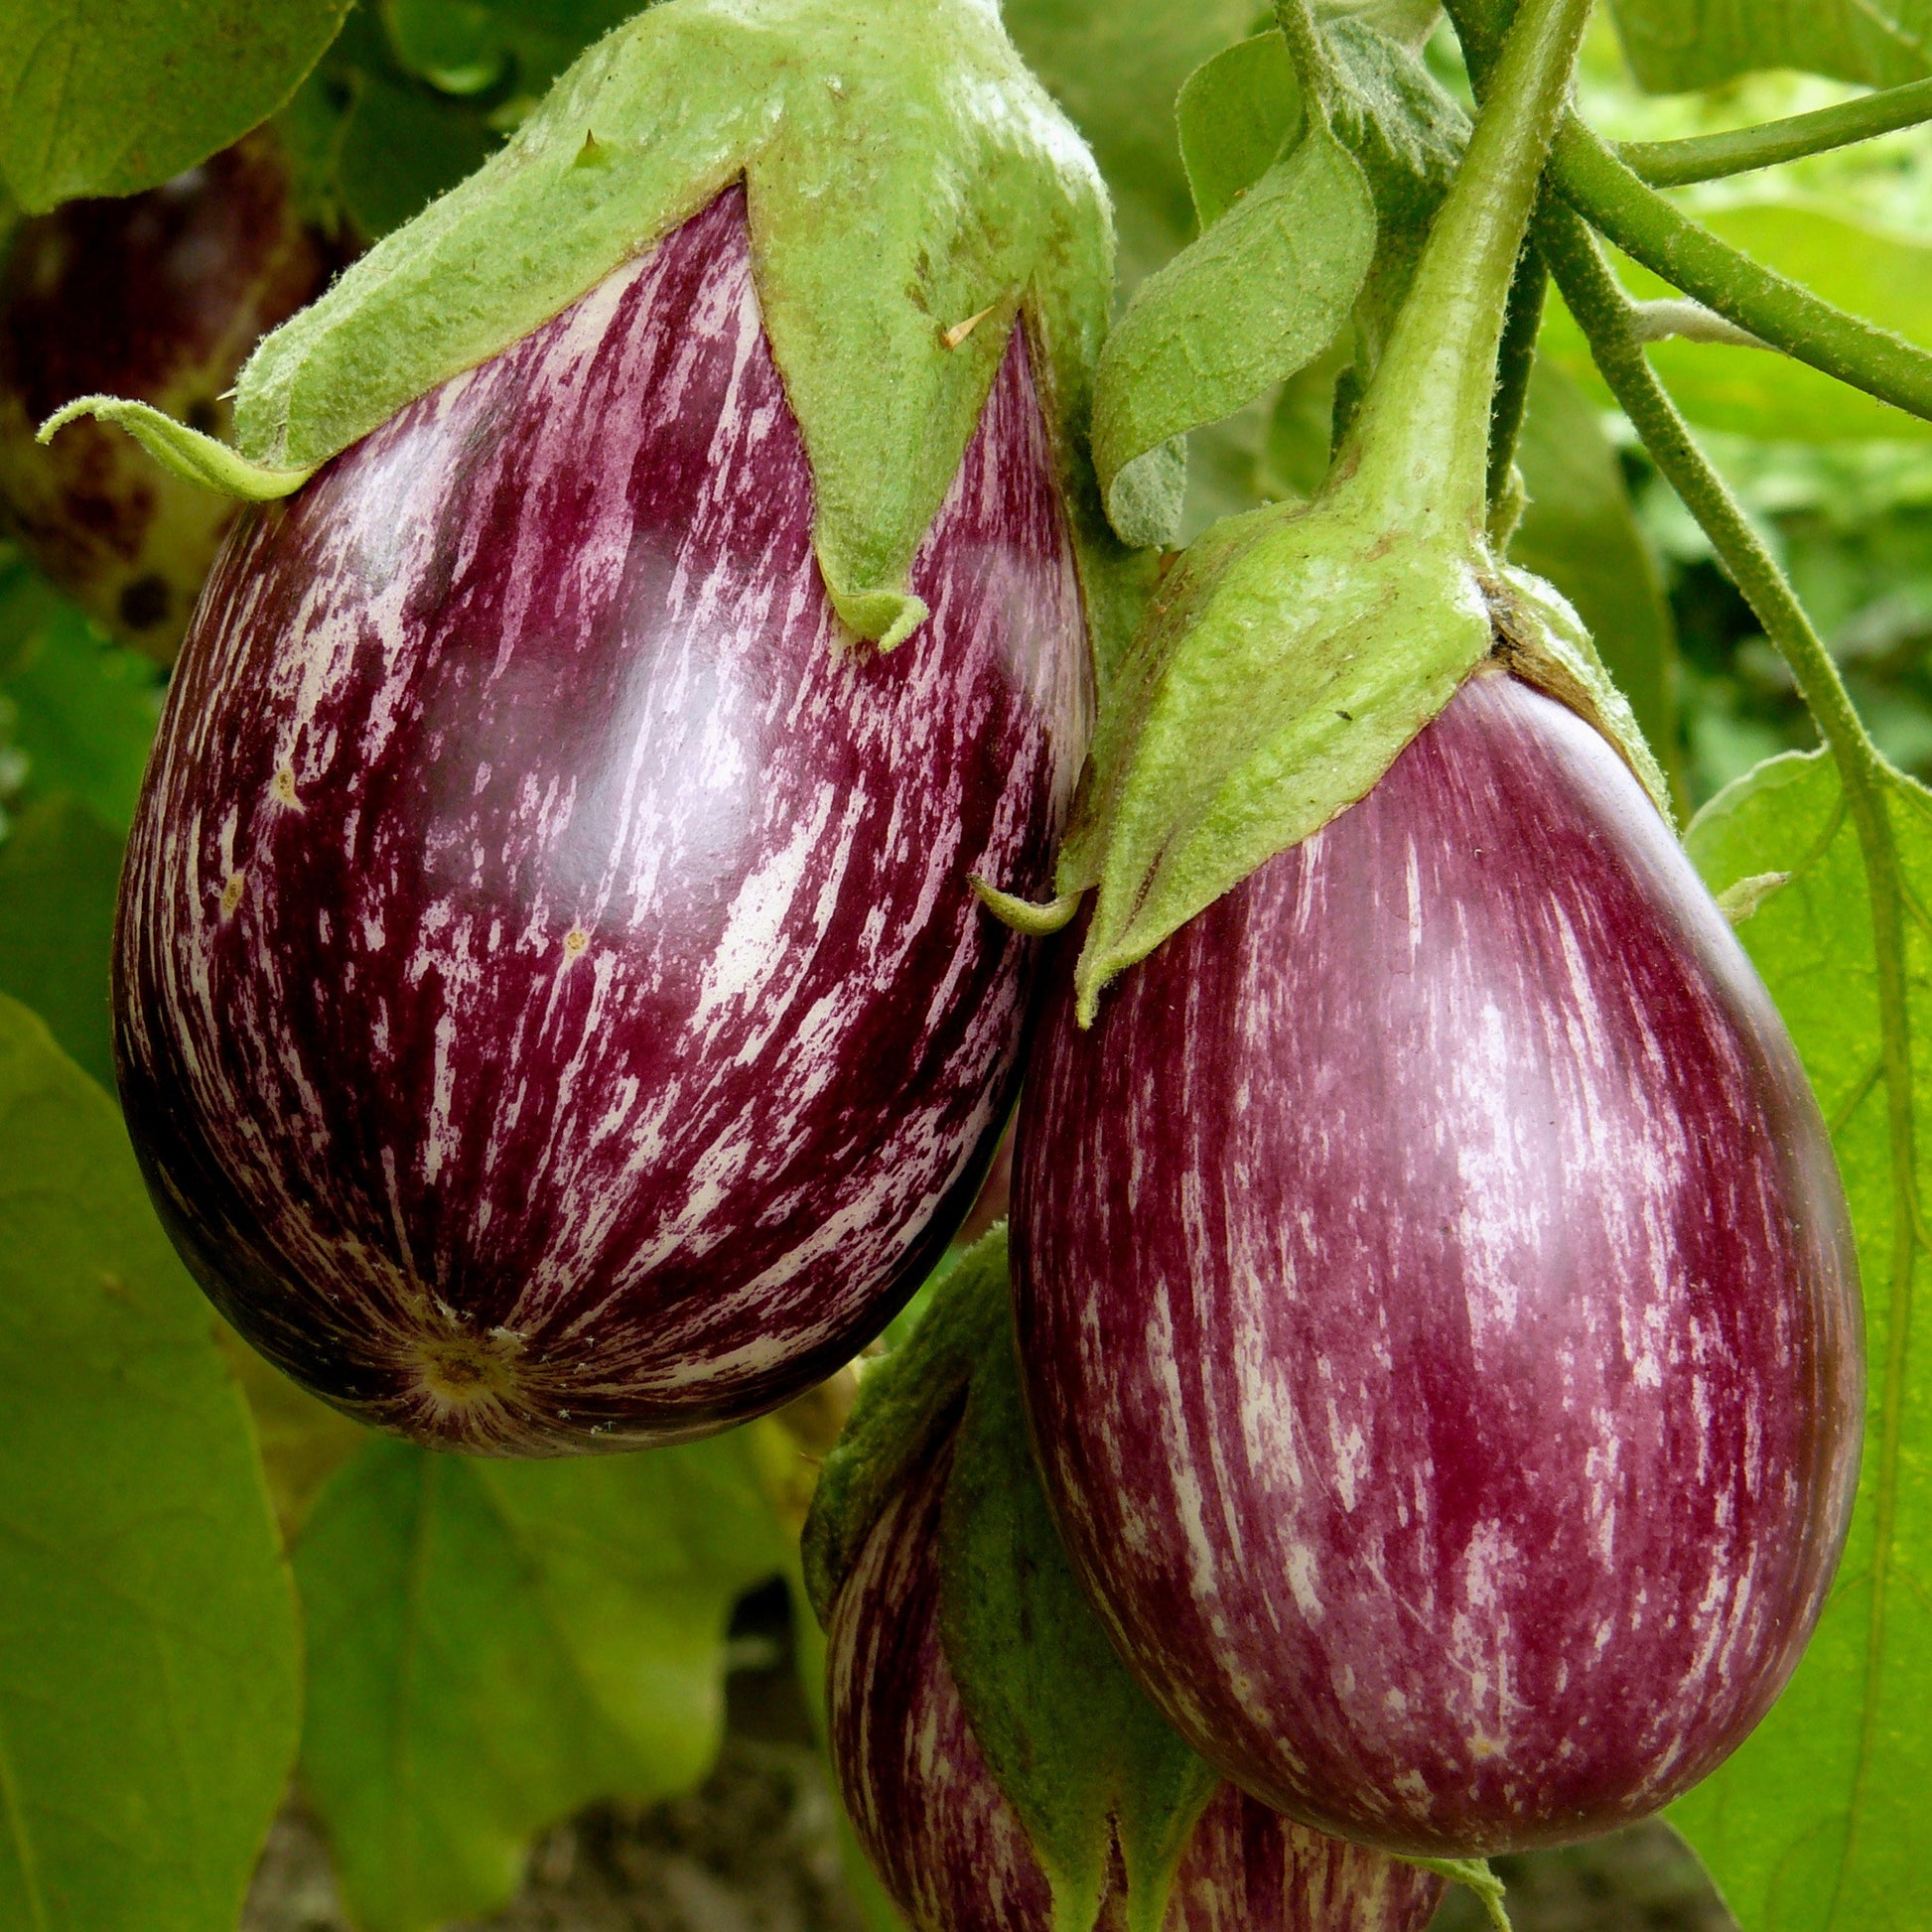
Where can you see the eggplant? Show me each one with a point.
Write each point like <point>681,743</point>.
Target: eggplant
<point>551,1010</point>
<point>949,1849</point>
<point>1438,1308</point>
<point>159,296</point>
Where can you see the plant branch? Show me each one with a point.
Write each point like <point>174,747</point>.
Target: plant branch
<point>1781,313</point>
<point>1711,157</point>
<point>1779,310</point>
<point>1867,784</point>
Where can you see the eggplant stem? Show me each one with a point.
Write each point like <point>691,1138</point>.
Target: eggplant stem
<point>1419,448</point>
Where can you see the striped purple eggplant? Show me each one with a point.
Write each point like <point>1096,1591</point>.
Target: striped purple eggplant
<point>551,1008</point>
<point>1439,1312</point>
<point>159,296</point>
<point>947,1846</point>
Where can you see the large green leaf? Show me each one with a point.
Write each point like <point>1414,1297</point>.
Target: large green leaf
<point>1817,1823</point>
<point>148,1677</point>
<point>492,1644</point>
<point>106,97</point>
<point>59,870</point>
<point>80,710</point>
<point>1678,44</point>
<point>1580,532</point>
<point>1875,272</point>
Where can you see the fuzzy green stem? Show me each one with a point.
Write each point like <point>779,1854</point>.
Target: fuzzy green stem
<point>1711,157</point>
<point>1603,312</point>
<point>1599,186</point>
<point>1611,195</point>
<point>1420,445</point>
<point>1515,361</point>
<point>1308,52</point>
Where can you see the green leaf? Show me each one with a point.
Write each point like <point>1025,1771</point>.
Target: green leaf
<point>1235,116</point>
<point>1260,295</point>
<point>183,452</point>
<point>904,1402</point>
<point>149,1684</point>
<point>1674,45</point>
<point>1580,532</point>
<point>1116,70</point>
<point>1871,271</point>
<point>1817,1823</point>
<point>83,711</point>
<point>106,99</point>
<point>58,870</point>
<point>1079,1751</point>
<point>1284,662</point>
<point>494,1645</point>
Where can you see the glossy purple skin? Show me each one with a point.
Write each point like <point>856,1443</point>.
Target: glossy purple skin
<point>1439,1312</point>
<point>158,296</point>
<point>949,1849</point>
<point>551,1009</point>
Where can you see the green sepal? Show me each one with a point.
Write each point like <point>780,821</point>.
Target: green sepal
<point>903,171</point>
<point>1256,296</point>
<point>1478,1879</point>
<point>1081,1755</point>
<point>1286,660</point>
<point>1539,638</point>
<point>1035,917</point>
<point>184,451</point>
<point>906,1401</point>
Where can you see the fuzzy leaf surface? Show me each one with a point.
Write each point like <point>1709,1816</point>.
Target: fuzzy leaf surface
<point>1673,45</point>
<point>149,1684</point>
<point>904,171</point>
<point>494,1645</point>
<point>1816,1824</point>
<point>106,99</point>
<point>1235,116</point>
<point>1261,294</point>
<point>1077,1750</point>
<point>904,1400</point>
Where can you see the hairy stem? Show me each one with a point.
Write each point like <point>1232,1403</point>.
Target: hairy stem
<point>1711,157</point>
<point>1781,313</point>
<point>1515,361</point>
<point>1308,52</point>
<point>1420,445</point>
<point>1603,312</point>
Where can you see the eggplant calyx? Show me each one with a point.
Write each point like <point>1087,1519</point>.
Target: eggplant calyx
<point>1035,917</point>
<point>184,451</point>
<point>902,170</point>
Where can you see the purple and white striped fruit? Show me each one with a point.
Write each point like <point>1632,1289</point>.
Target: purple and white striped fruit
<point>1437,1310</point>
<point>948,1846</point>
<point>159,296</point>
<point>551,1009</point>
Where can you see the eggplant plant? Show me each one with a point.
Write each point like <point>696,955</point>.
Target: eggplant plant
<point>946,879</point>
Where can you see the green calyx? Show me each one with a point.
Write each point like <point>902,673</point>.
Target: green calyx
<point>906,175</point>
<point>1292,654</point>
